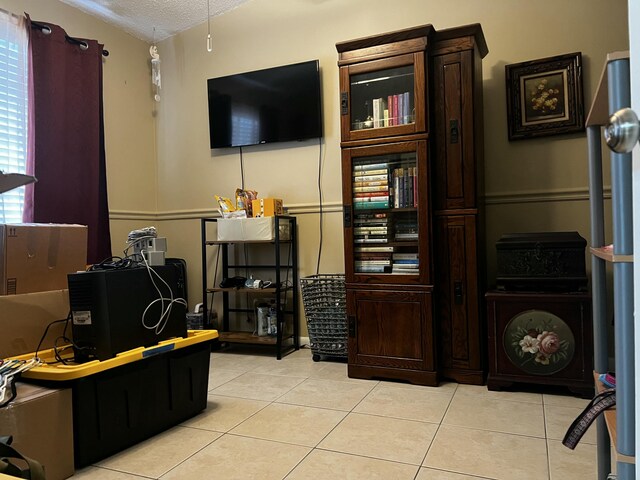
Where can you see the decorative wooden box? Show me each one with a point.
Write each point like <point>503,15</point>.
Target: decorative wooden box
<point>540,338</point>
<point>541,262</point>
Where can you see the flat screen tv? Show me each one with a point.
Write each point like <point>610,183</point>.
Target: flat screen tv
<point>279,104</point>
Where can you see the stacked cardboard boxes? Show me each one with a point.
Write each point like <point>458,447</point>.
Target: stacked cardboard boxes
<point>34,262</point>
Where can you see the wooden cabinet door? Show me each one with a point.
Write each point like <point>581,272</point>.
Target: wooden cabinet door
<point>383,97</point>
<point>400,254</point>
<point>455,162</point>
<point>458,313</point>
<point>390,328</point>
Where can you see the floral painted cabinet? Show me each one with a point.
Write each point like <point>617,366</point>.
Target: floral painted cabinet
<point>542,338</point>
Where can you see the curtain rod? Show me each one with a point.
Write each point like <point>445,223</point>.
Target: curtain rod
<point>45,28</point>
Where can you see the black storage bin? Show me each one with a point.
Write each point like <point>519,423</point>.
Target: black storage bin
<point>120,407</point>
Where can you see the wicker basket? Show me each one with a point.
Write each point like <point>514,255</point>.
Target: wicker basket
<point>325,307</point>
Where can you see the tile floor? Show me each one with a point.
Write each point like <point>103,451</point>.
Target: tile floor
<point>296,419</point>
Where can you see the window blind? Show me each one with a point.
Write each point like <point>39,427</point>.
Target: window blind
<point>13,110</point>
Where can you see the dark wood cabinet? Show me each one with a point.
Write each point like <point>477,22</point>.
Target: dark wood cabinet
<point>458,299</point>
<point>458,212</point>
<point>558,324</point>
<point>391,334</point>
<point>411,118</point>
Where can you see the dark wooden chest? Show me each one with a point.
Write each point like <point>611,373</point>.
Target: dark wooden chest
<point>541,262</point>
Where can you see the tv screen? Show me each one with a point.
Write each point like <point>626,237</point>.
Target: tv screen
<point>279,104</point>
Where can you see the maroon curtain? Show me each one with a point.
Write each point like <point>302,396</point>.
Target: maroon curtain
<point>69,151</point>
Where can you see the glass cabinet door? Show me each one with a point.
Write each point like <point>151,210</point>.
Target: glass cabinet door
<point>383,97</point>
<point>386,202</point>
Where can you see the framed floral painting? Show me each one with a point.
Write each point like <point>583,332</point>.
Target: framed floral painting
<point>544,97</point>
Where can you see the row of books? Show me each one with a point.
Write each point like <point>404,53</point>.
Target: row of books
<point>405,187</point>
<point>393,110</point>
<point>371,186</point>
<point>376,228</point>
<point>370,228</point>
<point>386,262</point>
<point>379,186</point>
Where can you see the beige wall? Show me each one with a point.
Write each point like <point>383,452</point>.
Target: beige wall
<point>162,172</point>
<point>531,185</point>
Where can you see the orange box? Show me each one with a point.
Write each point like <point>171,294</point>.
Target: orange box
<point>267,207</point>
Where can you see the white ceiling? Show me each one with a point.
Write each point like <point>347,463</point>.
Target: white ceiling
<point>141,17</point>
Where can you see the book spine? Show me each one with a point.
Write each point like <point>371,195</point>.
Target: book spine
<point>376,113</point>
<point>369,172</point>
<point>372,178</point>
<point>409,187</point>
<point>371,188</point>
<point>415,186</point>
<point>370,205</point>
<point>392,121</point>
<point>401,109</point>
<point>405,256</point>
<point>370,166</point>
<point>373,249</point>
<point>369,231</point>
<point>380,198</point>
<point>377,193</point>
<point>395,110</point>
<point>407,108</point>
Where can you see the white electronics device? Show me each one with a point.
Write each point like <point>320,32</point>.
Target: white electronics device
<point>153,249</point>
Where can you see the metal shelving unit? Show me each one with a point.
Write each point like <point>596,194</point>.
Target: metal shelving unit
<point>283,255</point>
<point>616,427</point>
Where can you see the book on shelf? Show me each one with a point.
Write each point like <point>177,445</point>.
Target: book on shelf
<point>369,249</point>
<point>396,120</point>
<point>406,262</point>
<point>362,263</point>
<point>370,229</point>
<point>370,166</point>
<point>406,111</point>
<point>405,256</point>
<point>378,226</point>
<point>376,113</point>
<point>377,171</point>
<point>363,256</point>
<point>370,205</point>
<point>406,236</point>
<point>379,198</point>
<point>403,271</point>
<point>372,215</point>
<point>370,240</point>
<point>371,178</point>
<point>372,183</point>
<point>371,188</point>
<point>370,194</point>
<point>400,109</point>
<point>373,269</point>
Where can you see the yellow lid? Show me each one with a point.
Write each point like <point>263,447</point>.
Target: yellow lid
<point>71,371</point>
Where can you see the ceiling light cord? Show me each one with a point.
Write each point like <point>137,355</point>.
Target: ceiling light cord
<point>209,46</point>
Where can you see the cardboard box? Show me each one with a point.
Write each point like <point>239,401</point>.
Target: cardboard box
<point>37,257</point>
<point>24,318</point>
<point>250,229</point>
<point>267,207</point>
<point>41,423</point>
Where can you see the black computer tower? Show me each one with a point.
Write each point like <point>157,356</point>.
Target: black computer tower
<point>107,308</point>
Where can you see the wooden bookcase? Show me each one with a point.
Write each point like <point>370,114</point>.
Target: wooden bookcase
<point>411,127</point>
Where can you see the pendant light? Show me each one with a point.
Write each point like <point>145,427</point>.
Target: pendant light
<point>209,46</point>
